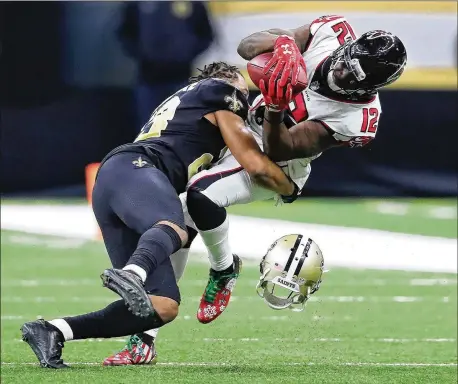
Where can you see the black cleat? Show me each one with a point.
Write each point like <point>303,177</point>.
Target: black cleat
<point>46,343</point>
<point>130,287</point>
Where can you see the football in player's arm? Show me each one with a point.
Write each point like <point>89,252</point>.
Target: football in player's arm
<point>306,139</point>
<point>353,72</point>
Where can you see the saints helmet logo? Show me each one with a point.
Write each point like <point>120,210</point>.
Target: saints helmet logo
<point>235,104</point>
<point>139,163</point>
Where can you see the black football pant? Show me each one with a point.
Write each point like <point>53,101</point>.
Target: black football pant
<point>129,197</point>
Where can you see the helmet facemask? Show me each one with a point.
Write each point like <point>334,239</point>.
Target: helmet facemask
<point>374,60</point>
<point>352,65</point>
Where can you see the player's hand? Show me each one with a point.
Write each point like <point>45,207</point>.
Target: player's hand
<point>287,59</point>
<point>291,198</point>
<point>276,97</point>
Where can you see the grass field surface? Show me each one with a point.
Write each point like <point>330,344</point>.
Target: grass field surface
<point>362,326</point>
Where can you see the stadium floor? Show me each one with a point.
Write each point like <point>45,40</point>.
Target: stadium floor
<point>363,326</point>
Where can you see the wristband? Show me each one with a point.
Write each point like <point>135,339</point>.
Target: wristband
<point>274,117</point>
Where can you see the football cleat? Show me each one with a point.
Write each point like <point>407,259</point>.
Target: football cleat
<point>218,293</point>
<point>46,342</point>
<point>136,352</point>
<point>130,287</point>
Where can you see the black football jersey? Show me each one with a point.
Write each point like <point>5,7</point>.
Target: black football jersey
<point>177,138</point>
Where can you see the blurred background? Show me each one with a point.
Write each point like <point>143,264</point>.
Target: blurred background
<point>79,78</point>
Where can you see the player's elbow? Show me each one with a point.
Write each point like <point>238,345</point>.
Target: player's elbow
<point>262,178</point>
<point>247,48</point>
<point>242,48</point>
<point>257,171</point>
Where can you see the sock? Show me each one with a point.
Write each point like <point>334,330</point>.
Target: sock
<point>217,243</point>
<point>113,321</point>
<point>150,335</point>
<point>63,327</point>
<point>146,338</point>
<point>154,246</point>
<point>213,225</point>
<point>179,260</point>
<point>137,270</point>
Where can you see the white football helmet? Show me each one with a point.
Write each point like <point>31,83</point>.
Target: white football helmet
<point>293,264</point>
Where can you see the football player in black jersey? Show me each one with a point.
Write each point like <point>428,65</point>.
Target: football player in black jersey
<point>382,57</point>
<point>136,204</point>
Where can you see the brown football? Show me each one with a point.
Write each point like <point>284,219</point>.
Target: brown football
<point>256,65</point>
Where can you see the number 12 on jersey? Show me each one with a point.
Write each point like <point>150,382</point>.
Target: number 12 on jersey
<point>370,120</point>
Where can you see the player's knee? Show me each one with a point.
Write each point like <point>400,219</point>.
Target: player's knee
<point>182,233</point>
<point>165,307</point>
<point>205,213</point>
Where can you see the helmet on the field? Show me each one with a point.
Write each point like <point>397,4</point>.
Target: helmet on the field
<point>291,271</point>
<point>372,61</point>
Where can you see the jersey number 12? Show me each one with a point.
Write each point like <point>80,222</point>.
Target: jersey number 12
<point>370,120</point>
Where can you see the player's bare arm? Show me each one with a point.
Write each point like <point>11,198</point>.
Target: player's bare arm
<point>243,146</point>
<point>306,139</point>
<point>264,41</point>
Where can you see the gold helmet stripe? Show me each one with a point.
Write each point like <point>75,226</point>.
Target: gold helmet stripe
<point>293,253</point>
<point>304,255</point>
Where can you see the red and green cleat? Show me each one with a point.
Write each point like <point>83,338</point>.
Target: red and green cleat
<point>136,352</point>
<point>218,292</point>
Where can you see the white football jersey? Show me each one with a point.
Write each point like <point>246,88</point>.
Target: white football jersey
<point>352,122</point>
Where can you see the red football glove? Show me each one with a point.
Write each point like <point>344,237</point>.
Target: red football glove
<point>288,60</point>
<point>276,97</point>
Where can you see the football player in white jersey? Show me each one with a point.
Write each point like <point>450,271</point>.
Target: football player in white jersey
<point>340,107</point>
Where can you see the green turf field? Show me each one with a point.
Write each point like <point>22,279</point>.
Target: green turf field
<point>363,326</point>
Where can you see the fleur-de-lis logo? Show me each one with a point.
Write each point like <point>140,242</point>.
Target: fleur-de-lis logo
<point>139,163</point>
<point>286,50</point>
<point>234,103</point>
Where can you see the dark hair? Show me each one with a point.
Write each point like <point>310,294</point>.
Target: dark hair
<point>220,70</point>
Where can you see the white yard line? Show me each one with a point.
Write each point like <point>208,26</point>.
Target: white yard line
<point>440,212</point>
<point>50,282</point>
<point>283,339</point>
<point>440,281</point>
<point>194,299</point>
<point>429,282</point>
<point>250,237</point>
<point>47,242</point>
<point>220,364</point>
<point>392,208</point>
<point>192,317</point>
